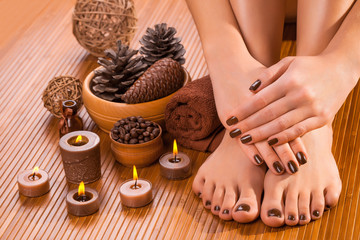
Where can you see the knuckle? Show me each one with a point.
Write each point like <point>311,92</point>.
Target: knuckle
<point>260,101</point>
<point>282,123</point>
<point>307,94</point>
<point>299,130</point>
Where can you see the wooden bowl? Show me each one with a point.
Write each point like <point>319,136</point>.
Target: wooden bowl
<point>106,113</point>
<point>140,154</point>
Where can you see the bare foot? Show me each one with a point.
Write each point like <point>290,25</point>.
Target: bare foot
<point>229,184</point>
<point>298,198</point>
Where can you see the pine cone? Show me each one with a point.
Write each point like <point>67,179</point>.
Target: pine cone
<point>160,80</point>
<point>160,43</point>
<point>120,71</point>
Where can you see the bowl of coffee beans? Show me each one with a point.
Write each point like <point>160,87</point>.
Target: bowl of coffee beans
<point>136,141</point>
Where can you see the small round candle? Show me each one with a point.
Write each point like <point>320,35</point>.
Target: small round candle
<point>33,183</point>
<point>82,202</point>
<point>175,165</point>
<point>136,192</point>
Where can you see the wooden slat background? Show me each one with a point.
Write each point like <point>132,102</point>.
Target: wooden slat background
<point>36,44</point>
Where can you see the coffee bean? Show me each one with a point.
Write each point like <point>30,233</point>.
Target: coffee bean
<point>134,134</point>
<point>143,125</point>
<point>116,131</point>
<point>120,141</point>
<point>126,142</point>
<point>141,141</point>
<point>122,131</point>
<point>132,124</point>
<point>152,136</point>
<point>139,131</point>
<point>114,136</point>
<point>127,137</point>
<point>127,127</point>
<point>156,132</point>
<point>146,139</point>
<point>140,136</point>
<point>117,124</point>
<point>133,141</point>
<point>122,122</point>
<point>133,119</point>
<point>149,129</point>
<point>146,134</point>
<point>141,120</point>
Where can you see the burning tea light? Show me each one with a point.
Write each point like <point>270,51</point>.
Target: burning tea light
<point>80,152</point>
<point>33,183</point>
<point>81,202</point>
<point>136,192</point>
<point>175,165</point>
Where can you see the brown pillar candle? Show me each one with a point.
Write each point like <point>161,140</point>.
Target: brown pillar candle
<point>81,158</point>
<point>33,183</point>
<point>82,202</point>
<point>136,192</point>
<point>175,165</point>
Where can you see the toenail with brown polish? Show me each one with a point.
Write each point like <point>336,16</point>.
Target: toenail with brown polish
<point>243,207</point>
<point>216,208</point>
<point>278,167</point>
<point>273,141</point>
<point>207,203</point>
<point>316,213</point>
<point>232,121</point>
<point>274,213</point>
<point>246,139</point>
<point>234,133</point>
<point>255,85</point>
<point>302,217</point>
<point>258,159</point>
<point>291,218</point>
<point>226,211</point>
<point>301,158</point>
<point>292,166</point>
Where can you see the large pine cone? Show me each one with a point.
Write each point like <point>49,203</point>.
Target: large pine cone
<point>160,80</point>
<point>160,43</point>
<point>119,73</point>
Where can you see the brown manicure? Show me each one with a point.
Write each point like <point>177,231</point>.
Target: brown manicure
<point>292,166</point>
<point>255,85</point>
<point>302,217</point>
<point>316,213</point>
<point>273,141</point>
<point>246,139</point>
<point>278,167</point>
<point>235,133</point>
<point>274,213</point>
<point>258,159</point>
<point>301,158</point>
<point>291,218</point>
<point>232,121</point>
<point>243,207</point>
<point>207,203</point>
<point>226,211</point>
<point>216,208</point>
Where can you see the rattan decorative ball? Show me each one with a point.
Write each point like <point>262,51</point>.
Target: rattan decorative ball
<point>98,24</point>
<point>59,89</point>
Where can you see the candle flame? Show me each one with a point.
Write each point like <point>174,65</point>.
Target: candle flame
<point>175,149</point>
<point>35,170</point>
<point>135,175</point>
<point>78,139</point>
<point>81,190</point>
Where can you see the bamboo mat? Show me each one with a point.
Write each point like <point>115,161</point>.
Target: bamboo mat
<point>37,44</point>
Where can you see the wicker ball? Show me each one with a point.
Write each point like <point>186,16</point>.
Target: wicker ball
<point>59,89</point>
<point>98,24</point>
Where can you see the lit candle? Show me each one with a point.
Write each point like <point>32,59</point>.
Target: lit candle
<point>81,202</point>
<point>80,152</point>
<point>33,183</point>
<point>175,165</point>
<point>136,192</point>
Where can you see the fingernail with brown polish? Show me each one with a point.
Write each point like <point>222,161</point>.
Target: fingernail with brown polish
<point>243,207</point>
<point>292,166</point>
<point>301,158</point>
<point>278,167</point>
<point>255,85</point>
<point>273,141</point>
<point>291,218</point>
<point>234,133</point>
<point>232,121</point>
<point>274,213</point>
<point>246,139</point>
<point>302,217</point>
<point>216,208</point>
<point>207,203</point>
<point>316,213</point>
<point>258,159</point>
<point>226,211</point>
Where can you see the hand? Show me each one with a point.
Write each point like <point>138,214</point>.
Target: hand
<point>293,97</point>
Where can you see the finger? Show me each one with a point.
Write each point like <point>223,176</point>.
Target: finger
<point>270,157</point>
<point>299,150</point>
<point>271,74</point>
<point>296,130</point>
<point>275,126</point>
<point>287,157</point>
<point>252,153</point>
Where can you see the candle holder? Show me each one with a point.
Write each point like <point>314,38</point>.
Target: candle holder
<point>81,158</point>
<point>33,183</point>
<point>69,121</point>
<point>82,205</point>
<point>175,169</point>
<point>136,196</point>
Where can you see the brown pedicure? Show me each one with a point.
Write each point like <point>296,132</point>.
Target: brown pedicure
<point>258,159</point>
<point>274,213</point>
<point>302,217</point>
<point>291,218</point>
<point>226,211</point>
<point>243,207</point>
<point>292,166</point>
<point>255,85</point>
<point>301,158</point>
<point>246,139</point>
<point>273,141</point>
<point>232,121</point>
<point>316,213</point>
<point>234,133</point>
<point>278,167</point>
<point>207,203</point>
<point>216,208</point>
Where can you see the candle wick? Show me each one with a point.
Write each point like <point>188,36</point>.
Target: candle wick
<point>83,198</point>
<point>135,183</point>
<point>33,176</point>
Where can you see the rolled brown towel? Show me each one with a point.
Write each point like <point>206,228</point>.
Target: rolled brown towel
<point>191,116</point>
